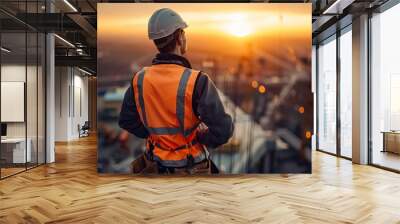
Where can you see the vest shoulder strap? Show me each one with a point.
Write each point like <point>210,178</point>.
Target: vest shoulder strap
<point>180,101</point>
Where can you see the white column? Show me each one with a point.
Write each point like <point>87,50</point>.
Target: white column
<point>50,94</point>
<point>360,90</point>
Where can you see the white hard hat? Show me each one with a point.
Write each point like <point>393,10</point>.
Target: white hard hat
<point>164,22</point>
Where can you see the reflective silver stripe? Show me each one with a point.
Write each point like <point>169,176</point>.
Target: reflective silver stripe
<point>178,163</point>
<point>163,131</point>
<point>180,99</point>
<point>140,92</point>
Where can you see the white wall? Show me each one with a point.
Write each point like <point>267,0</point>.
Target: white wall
<point>12,73</point>
<point>33,127</point>
<point>61,103</point>
<point>71,93</point>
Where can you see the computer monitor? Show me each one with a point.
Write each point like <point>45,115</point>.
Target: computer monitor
<point>3,129</point>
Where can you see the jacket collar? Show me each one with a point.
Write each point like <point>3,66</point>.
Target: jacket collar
<point>167,58</point>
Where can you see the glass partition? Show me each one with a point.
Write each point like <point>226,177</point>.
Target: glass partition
<point>31,97</point>
<point>13,94</point>
<point>41,96</point>
<point>22,90</point>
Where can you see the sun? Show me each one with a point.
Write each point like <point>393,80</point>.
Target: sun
<point>239,29</point>
<point>238,25</point>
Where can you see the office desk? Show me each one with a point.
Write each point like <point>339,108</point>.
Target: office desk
<point>391,141</point>
<point>13,150</point>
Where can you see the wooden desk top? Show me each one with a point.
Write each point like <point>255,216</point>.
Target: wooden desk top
<point>391,132</point>
<point>13,140</point>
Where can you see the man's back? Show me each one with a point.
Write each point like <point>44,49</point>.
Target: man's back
<point>206,105</point>
<point>164,93</point>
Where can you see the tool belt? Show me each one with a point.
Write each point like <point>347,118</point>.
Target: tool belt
<point>190,144</point>
<point>145,164</point>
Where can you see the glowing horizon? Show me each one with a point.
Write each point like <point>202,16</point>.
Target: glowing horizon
<point>235,20</point>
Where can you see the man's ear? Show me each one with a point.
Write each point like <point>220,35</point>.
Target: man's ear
<point>179,38</point>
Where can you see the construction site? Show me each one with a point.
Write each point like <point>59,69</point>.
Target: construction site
<point>265,85</point>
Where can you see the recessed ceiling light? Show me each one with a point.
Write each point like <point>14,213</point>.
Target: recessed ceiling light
<point>84,71</point>
<point>337,7</point>
<point>70,5</point>
<point>5,50</point>
<point>64,40</point>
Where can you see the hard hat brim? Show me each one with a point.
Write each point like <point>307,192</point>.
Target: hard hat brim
<point>162,34</point>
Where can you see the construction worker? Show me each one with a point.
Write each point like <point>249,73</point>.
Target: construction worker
<point>176,108</point>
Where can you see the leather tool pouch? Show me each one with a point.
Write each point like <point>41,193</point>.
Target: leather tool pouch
<point>139,164</point>
<point>205,167</point>
<point>142,165</point>
<point>202,168</point>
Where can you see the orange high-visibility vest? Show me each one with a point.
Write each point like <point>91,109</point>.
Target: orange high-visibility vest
<point>163,96</point>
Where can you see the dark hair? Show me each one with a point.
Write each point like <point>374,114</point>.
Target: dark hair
<point>167,44</point>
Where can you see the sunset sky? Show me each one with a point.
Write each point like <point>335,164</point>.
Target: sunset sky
<point>231,20</point>
<point>222,31</point>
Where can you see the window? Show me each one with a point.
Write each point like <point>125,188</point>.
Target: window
<point>327,96</point>
<point>385,89</point>
<point>346,93</point>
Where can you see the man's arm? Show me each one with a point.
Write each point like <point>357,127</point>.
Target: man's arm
<point>129,118</point>
<point>209,108</point>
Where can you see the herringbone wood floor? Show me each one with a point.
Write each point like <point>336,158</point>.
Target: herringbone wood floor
<point>70,191</point>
